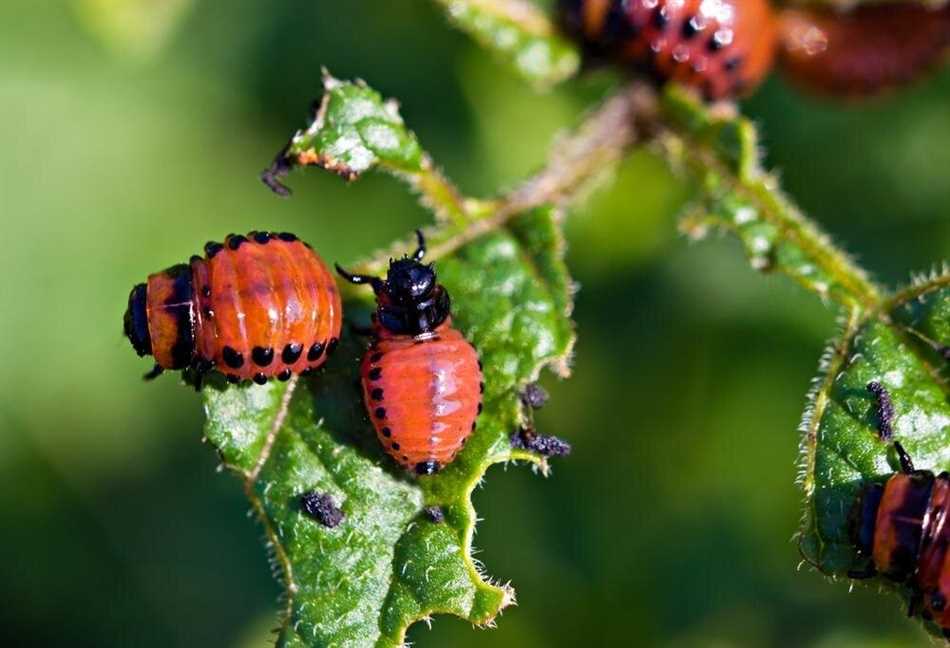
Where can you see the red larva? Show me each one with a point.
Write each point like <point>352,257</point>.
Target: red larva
<point>257,306</point>
<point>724,48</point>
<point>422,380</point>
<point>901,530</point>
<point>869,49</point>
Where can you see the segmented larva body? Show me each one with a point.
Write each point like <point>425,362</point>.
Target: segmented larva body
<point>904,528</point>
<point>423,395</point>
<point>255,307</point>
<point>864,51</point>
<point>421,379</point>
<point>724,48</point>
<point>901,529</point>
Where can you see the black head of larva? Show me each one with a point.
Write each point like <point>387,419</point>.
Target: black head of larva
<point>410,299</point>
<point>409,282</point>
<point>136,321</point>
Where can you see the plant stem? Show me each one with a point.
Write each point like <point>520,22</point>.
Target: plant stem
<point>634,113</point>
<point>439,194</point>
<point>806,235</point>
<point>721,153</point>
<point>916,290</point>
<point>601,140</point>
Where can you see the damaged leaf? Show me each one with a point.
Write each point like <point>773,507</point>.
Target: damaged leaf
<point>904,349</point>
<point>400,549</point>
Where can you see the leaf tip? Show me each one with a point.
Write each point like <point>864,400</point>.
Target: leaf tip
<point>330,82</point>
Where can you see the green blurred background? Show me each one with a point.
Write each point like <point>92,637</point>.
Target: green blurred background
<point>127,141</point>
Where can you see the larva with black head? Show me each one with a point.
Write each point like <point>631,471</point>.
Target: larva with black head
<point>421,378</point>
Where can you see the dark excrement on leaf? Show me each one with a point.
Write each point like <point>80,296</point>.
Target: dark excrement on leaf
<point>321,508</point>
<point>885,409</point>
<point>534,396</point>
<point>544,445</point>
<point>434,514</point>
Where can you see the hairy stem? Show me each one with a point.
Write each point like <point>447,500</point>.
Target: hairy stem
<point>720,151</point>
<point>439,194</point>
<point>601,140</point>
<point>634,114</point>
<point>917,290</point>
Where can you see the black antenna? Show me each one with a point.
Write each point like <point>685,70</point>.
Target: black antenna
<point>907,465</point>
<point>421,250</point>
<point>358,279</point>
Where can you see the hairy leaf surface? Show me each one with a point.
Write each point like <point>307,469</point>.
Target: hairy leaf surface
<point>354,129</point>
<point>905,349</point>
<point>387,565</point>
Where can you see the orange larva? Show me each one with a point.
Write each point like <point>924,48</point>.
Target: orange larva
<point>255,307</point>
<point>421,379</point>
<point>901,529</point>
<point>724,48</point>
<point>864,51</point>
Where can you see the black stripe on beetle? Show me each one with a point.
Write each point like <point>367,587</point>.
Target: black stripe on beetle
<point>179,303</point>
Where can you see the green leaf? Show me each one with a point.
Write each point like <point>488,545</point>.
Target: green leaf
<point>521,33</point>
<point>354,130</point>
<point>718,150</point>
<point>904,347</point>
<point>386,565</point>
